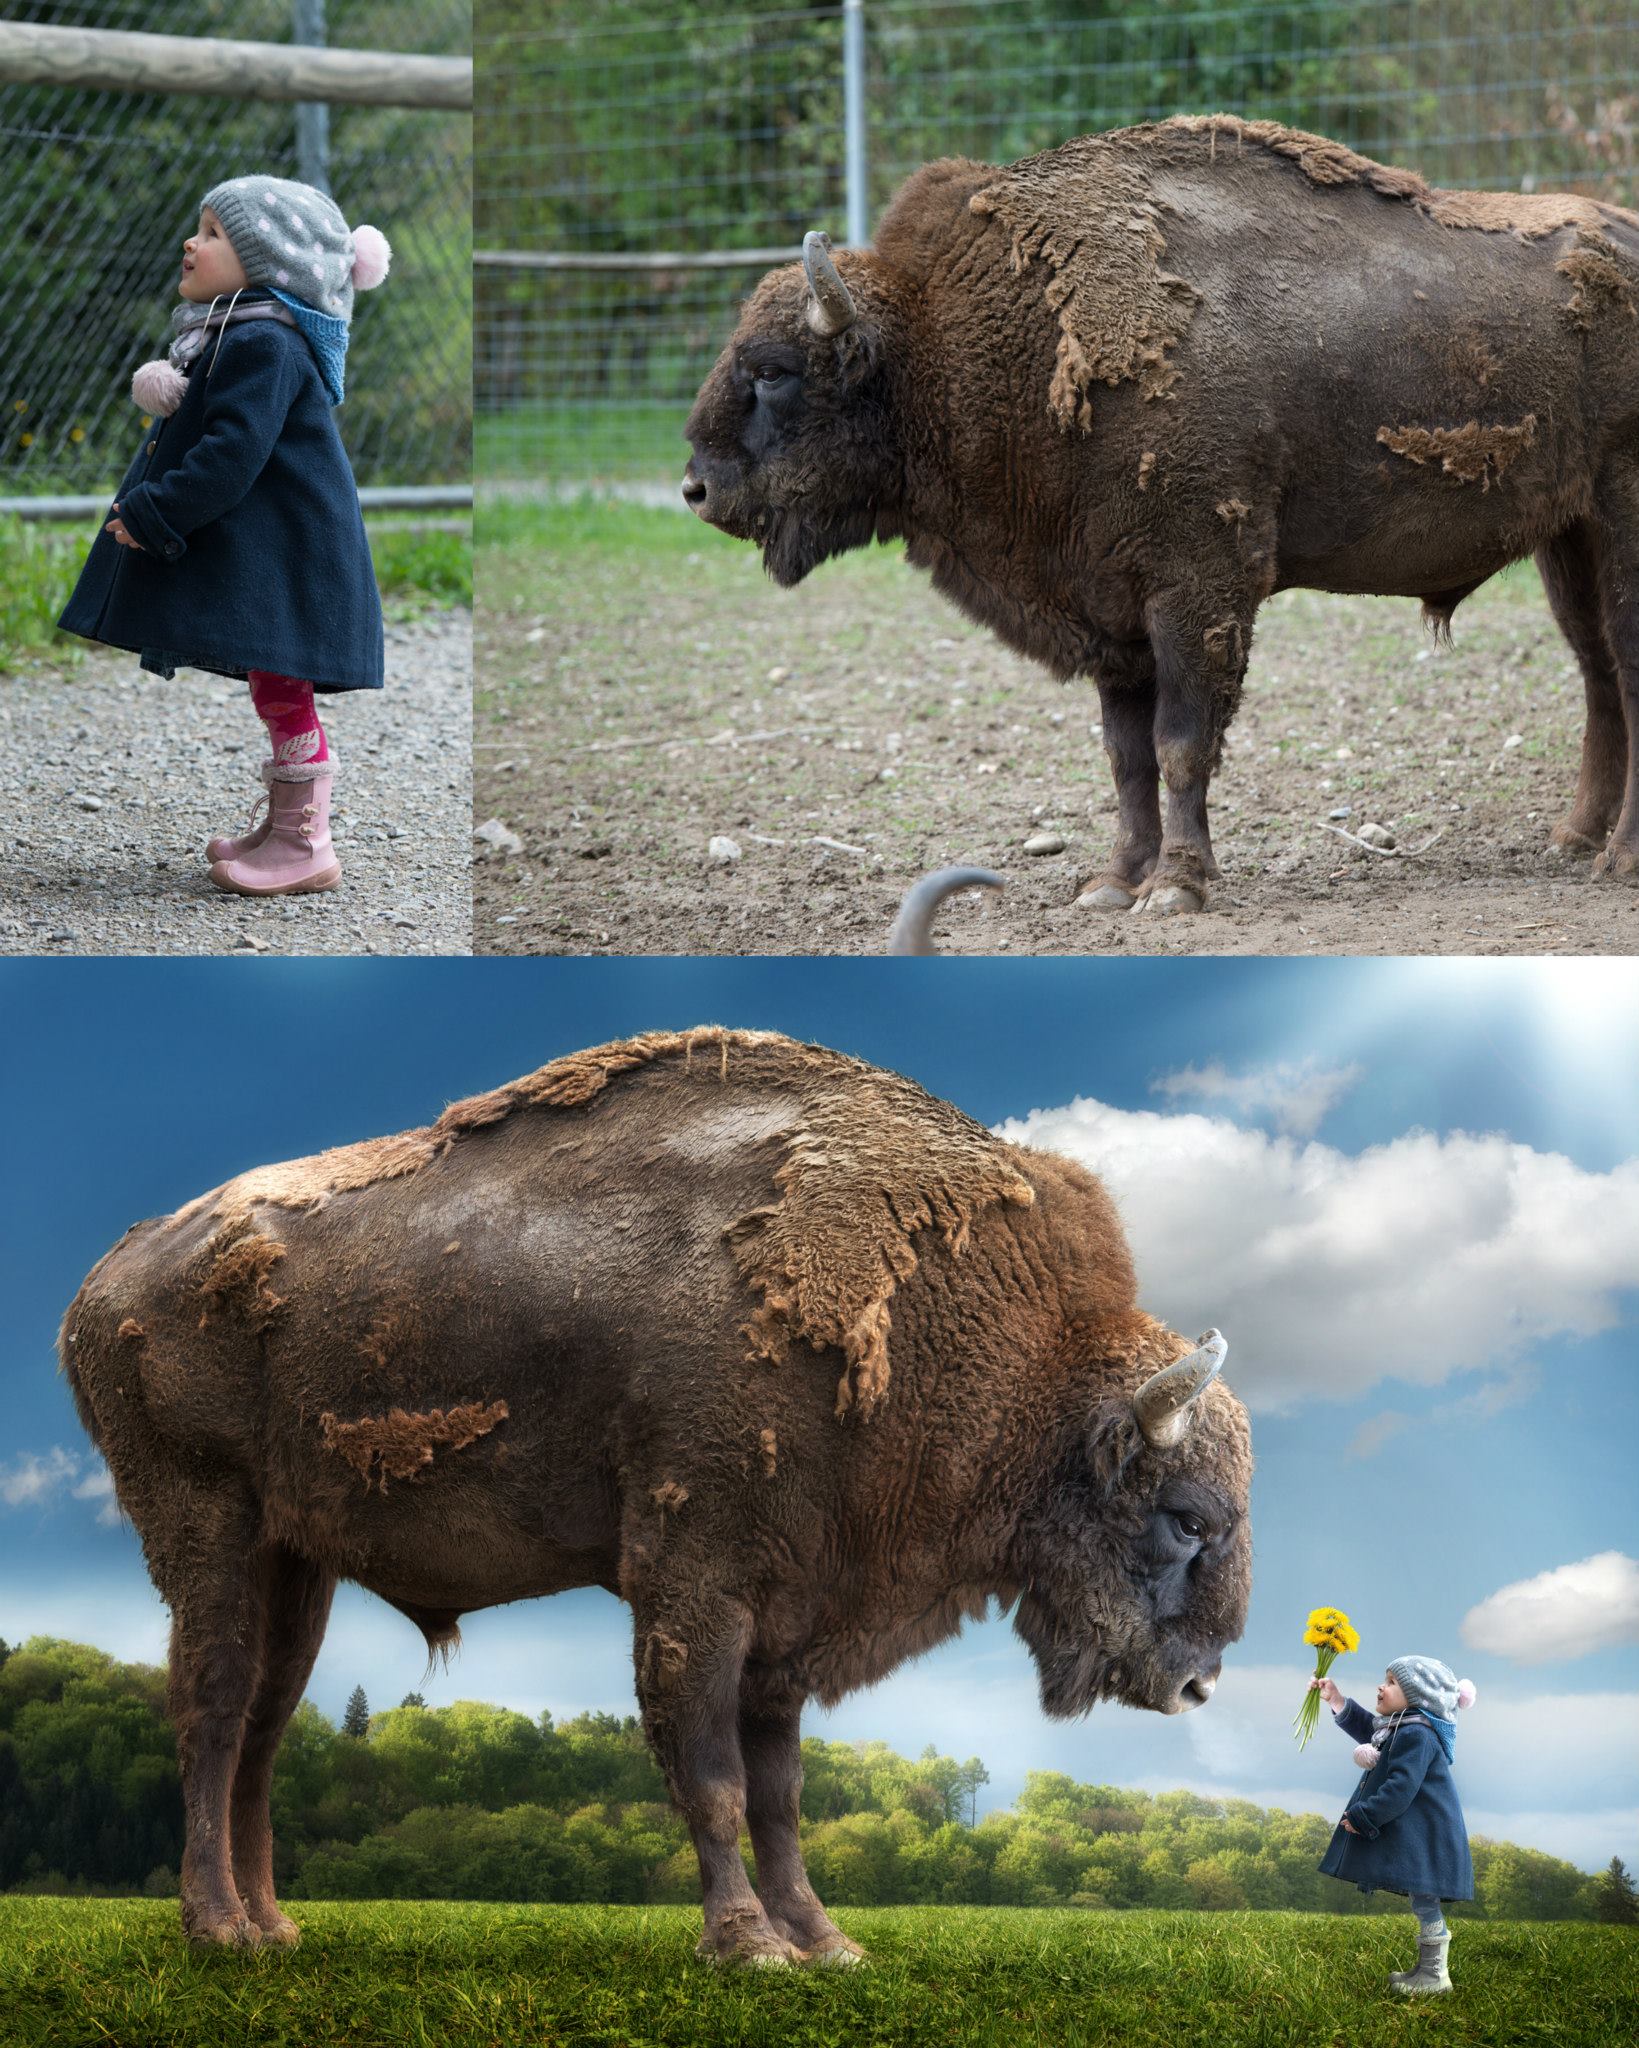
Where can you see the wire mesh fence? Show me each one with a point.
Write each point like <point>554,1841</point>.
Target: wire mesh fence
<point>97,190</point>
<point>684,130</point>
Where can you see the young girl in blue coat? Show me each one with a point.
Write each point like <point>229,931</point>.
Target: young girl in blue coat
<point>236,542</point>
<point>1403,1830</point>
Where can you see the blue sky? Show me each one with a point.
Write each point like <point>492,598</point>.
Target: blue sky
<point>1407,1191</point>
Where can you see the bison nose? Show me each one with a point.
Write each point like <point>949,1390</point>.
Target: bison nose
<point>1197,1691</point>
<point>694,490</point>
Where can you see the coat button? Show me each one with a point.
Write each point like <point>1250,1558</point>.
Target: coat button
<point>152,445</point>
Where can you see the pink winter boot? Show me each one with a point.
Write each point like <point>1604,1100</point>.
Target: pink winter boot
<point>296,857</point>
<point>253,834</point>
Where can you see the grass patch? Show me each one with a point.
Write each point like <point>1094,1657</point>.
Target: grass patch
<point>406,1974</point>
<point>560,444</point>
<point>417,568</point>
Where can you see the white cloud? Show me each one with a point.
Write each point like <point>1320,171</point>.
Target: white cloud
<point>1373,1434</point>
<point>1294,1094</point>
<point>1417,1260</point>
<point>33,1481</point>
<point>1567,1612</point>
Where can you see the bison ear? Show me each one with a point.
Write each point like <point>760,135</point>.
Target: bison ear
<point>831,311</point>
<point>1162,1405</point>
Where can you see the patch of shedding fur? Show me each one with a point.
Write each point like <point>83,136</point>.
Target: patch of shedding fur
<point>1085,211</point>
<point>241,1261</point>
<point>864,1172</point>
<point>1602,284</point>
<point>1529,215</point>
<point>1146,468</point>
<point>769,1444</point>
<point>1225,645</point>
<point>1470,454</point>
<point>1233,511</point>
<point>131,1329</point>
<point>668,1495</point>
<point>399,1445</point>
<point>567,1083</point>
<point>665,1659</point>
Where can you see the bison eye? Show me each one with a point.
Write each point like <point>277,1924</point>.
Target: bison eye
<point>1192,1526</point>
<point>770,380</point>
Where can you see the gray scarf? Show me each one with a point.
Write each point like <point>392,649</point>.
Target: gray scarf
<point>192,325</point>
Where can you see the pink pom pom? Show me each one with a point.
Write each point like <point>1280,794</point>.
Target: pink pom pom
<point>1365,1756</point>
<point>372,256</point>
<point>157,387</point>
<point>1466,1695</point>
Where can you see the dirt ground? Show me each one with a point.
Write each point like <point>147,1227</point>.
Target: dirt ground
<point>641,693</point>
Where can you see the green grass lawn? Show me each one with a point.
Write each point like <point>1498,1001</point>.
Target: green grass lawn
<point>561,444</point>
<point>417,566</point>
<point>424,1975</point>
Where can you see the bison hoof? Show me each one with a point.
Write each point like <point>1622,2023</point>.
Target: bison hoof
<point>1106,896</point>
<point>755,1952</point>
<point>1618,863</point>
<point>280,1931</point>
<point>836,1955</point>
<point>227,1930</point>
<point>1172,899</point>
<point>1566,843</point>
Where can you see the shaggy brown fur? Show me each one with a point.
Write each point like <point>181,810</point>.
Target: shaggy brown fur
<point>574,1402</point>
<point>1062,372</point>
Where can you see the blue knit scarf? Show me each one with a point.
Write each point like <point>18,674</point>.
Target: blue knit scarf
<point>326,337</point>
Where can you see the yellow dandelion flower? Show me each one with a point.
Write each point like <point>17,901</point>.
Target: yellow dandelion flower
<point>76,433</point>
<point>25,440</point>
<point>1331,1634</point>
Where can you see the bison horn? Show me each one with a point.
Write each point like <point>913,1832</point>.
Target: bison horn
<point>1162,1404</point>
<point>830,309</point>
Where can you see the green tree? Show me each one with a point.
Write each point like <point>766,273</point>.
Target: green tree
<point>1616,1897</point>
<point>412,1699</point>
<point>356,1720</point>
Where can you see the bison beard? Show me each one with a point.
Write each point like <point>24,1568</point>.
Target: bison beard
<point>1116,395</point>
<point>803,1363</point>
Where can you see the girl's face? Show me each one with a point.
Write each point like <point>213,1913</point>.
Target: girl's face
<point>1390,1699</point>
<point>209,265</point>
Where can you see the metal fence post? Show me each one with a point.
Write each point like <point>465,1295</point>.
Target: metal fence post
<point>853,120</point>
<point>312,116</point>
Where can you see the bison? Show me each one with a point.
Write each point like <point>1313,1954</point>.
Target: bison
<point>1114,395</point>
<point>796,1359</point>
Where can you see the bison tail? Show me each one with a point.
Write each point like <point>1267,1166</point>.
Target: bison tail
<point>913,927</point>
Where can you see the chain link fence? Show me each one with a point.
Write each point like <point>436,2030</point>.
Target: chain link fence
<point>631,150</point>
<point>98,189</point>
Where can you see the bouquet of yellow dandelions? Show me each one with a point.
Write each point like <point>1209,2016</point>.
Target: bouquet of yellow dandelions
<point>1332,1633</point>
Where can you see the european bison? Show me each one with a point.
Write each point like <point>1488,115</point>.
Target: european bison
<point>1114,395</point>
<point>799,1361</point>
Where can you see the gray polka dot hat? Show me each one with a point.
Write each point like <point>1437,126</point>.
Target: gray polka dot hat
<point>295,239</point>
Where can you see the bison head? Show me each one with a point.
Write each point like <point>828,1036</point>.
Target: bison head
<point>1137,1564</point>
<point>792,432</point>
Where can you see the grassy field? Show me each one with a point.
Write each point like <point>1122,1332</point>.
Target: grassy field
<point>565,444</point>
<point>417,566</point>
<point>425,1975</point>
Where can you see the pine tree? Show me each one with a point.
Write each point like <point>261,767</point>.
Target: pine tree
<point>412,1699</point>
<point>356,1721</point>
<point>1616,1897</point>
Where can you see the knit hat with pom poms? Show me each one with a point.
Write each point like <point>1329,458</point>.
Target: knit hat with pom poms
<point>292,240</point>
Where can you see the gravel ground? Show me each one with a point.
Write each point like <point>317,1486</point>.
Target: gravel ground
<point>638,699</point>
<point>103,853</point>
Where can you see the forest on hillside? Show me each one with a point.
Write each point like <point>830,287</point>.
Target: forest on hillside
<point>478,1802</point>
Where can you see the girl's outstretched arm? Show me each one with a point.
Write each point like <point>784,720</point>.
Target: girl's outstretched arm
<point>247,397</point>
<point>1395,1783</point>
<point>1354,1721</point>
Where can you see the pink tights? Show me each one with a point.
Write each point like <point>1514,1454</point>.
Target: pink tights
<point>284,704</point>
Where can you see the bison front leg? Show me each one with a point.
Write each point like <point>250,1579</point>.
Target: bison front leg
<point>690,1655</point>
<point>770,1744</point>
<point>1128,705</point>
<point>1201,647</point>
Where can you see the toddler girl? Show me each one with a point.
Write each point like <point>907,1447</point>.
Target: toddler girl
<point>236,542</point>
<point>1403,1830</point>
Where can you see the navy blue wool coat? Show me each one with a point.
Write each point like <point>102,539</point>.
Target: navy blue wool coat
<point>1412,1837</point>
<point>253,546</point>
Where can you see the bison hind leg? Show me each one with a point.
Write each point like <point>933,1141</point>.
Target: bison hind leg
<point>1569,567</point>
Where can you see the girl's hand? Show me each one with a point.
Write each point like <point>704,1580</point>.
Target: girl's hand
<point>1347,1829</point>
<point>117,528</point>
<point>1327,1690</point>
